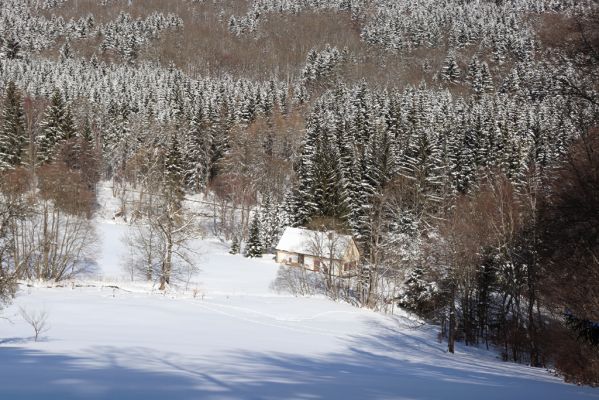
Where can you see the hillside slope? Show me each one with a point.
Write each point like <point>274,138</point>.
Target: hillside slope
<point>236,339</point>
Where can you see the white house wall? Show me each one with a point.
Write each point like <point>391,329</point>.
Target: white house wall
<point>309,262</point>
<point>284,257</point>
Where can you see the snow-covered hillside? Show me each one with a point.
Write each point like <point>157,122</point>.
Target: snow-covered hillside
<point>229,336</point>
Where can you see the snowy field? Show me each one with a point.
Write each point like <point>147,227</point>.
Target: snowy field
<point>229,336</point>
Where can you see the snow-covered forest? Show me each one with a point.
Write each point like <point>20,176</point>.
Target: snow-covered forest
<point>456,141</point>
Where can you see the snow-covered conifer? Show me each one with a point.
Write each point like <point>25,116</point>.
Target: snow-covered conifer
<point>57,126</point>
<point>450,71</point>
<point>12,129</point>
<point>254,247</point>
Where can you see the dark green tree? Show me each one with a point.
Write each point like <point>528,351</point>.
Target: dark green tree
<point>12,48</point>
<point>254,246</point>
<point>174,173</point>
<point>57,126</point>
<point>450,71</point>
<point>234,245</point>
<point>12,129</point>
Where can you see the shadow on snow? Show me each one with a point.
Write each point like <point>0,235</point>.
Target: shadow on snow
<point>385,366</point>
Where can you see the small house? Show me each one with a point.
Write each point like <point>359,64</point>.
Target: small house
<point>316,250</point>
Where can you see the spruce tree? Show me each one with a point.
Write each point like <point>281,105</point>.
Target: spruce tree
<point>486,78</point>
<point>117,141</point>
<point>57,125</point>
<point>69,130</point>
<point>473,69</point>
<point>305,206</point>
<point>12,48</point>
<point>362,118</point>
<point>423,166</point>
<point>269,223</point>
<point>234,245</point>
<point>66,51</point>
<point>450,71</point>
<point>417,293</point>
<point>173,173</point>
<point>12,130</point>
<point>86,132</point>
<point>197,151</point>
<point>464,168</point>
<point>285,210</point>
<point>328,179</point>
<point>220,124</point>
<point>367,193</point>
<point>254,246</point>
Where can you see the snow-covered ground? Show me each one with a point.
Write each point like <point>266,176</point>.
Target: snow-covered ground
<point>229,336</point>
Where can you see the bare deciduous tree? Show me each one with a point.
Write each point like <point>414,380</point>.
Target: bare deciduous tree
<point>57,240</point>
<point>38,320</point>
<point>164,228</point>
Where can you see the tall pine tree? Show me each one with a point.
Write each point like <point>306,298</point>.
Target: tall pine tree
<point>173,174</point>
<point>57,126</point>
<point>254,247</point>
<point>12,130</point>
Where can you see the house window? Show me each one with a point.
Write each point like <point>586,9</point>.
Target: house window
<point>316,265</point>
<point>348,266</point>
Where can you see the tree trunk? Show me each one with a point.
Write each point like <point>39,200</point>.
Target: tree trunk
<point>532,333</point>
<point>165,277</point>
<point>46,246</point>
<point>452,322</point>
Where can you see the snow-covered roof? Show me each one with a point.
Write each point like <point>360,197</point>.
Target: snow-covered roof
<point>314,243</point>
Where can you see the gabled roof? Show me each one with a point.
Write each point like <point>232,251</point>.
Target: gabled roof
<point>314,243</point>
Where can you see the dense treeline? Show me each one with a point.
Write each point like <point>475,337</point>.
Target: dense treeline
<point>472,192</point>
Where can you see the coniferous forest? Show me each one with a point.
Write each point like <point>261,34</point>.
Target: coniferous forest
<point>456,140</point>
